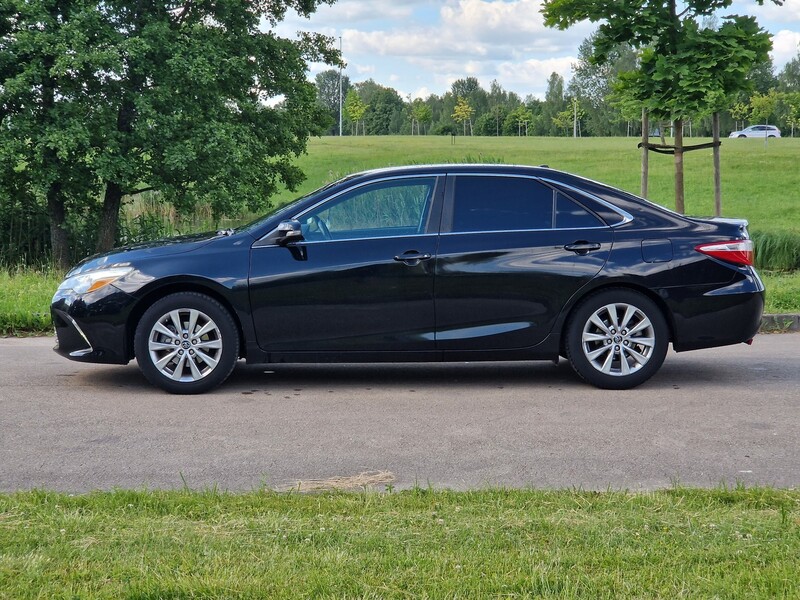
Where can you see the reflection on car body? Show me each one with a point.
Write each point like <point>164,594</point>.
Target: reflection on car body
<point>423,263</point>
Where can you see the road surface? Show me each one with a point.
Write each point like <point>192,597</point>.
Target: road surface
<point>717,416</point>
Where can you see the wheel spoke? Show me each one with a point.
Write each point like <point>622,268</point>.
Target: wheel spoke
<point>611,309</point>
<point>162,329</point>
<point>178,372</point>
<point>606,366</point>
<point>208,327</point>
<point>212,344</point>
<point>193,314</point>
<point>594,337</point>
<point>196,374</point>
<point>629,312</point>
<point>595,354</point>
<point>211,362</point>
<point>160,346</point>
<point>641,325</point>
<point>624,367</point>
<point>637,356</point>
<point>599,323</point>
<point>163,362</point>
<point>176,321</point>
<point>644,341</point>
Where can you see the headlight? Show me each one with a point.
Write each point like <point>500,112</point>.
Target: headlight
<point>94,280</point>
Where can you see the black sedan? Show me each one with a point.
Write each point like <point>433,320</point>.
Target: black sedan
<point>423,263</point>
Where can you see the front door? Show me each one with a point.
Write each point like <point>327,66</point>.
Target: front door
<point>361,280</point>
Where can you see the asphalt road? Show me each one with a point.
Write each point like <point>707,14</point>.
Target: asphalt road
<point>725,415</point>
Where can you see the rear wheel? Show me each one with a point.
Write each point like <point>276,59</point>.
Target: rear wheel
<point>617,339</point>
<point>186,343</point>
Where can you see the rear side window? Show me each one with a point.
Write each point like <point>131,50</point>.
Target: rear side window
<point>492,203</point>
<point>571,215</point>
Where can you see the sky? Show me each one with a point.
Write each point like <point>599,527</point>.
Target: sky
<point>419,47</point>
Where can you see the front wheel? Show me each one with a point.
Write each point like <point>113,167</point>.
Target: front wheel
<point>617,339</point>
<point>186,343</point>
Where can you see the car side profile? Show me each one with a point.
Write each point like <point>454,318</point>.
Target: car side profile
<point>422,263</point>
<point>757,131</point>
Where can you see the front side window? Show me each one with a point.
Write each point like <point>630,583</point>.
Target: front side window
<point>396,207</point>
<point>493,203</point>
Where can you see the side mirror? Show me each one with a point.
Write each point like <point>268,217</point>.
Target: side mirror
<point>289,231</point>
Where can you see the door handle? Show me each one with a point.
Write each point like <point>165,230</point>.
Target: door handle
<point>582,248</point>
<point>412,258</point>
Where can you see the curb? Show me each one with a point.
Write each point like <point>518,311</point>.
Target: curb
<point>781,323</point>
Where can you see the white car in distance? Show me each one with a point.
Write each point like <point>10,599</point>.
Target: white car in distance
<point>757,131</point>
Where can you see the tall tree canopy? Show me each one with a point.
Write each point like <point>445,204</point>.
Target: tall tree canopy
<point>688,64</point>
<point>106,98</point>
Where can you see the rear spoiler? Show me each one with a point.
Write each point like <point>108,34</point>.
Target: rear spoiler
<point>740,223</point>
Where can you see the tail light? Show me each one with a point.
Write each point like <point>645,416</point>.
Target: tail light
<point>738,252</point>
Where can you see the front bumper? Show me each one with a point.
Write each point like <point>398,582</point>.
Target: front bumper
<point>92,328</point>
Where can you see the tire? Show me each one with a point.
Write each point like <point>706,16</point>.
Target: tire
<point>617,339</point>
<point>742,136</point>
<point>186,343</point>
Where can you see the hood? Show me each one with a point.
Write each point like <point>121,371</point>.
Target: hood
<point>152,249</point>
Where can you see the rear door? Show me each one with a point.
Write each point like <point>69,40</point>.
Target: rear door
<point>512,252</point>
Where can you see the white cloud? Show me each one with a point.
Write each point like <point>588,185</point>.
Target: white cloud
<point>533,74</point>
<point>785,46</point>
<point>787,13</point>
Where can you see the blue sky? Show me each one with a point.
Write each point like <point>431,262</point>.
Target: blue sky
<point>420,47</point>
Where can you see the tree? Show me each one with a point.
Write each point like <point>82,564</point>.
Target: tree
<point>791,100</point>
<point>327,84</point>
<point>421,114</point>
<point>593,83</point>
<point>789,77</point>
<point>739,111</point>
<point>463,114</point>
<point>518,120</point>
<point>355,108</point>
<point>686,68</point>
<point>156,94</point>
<point>554,103</point>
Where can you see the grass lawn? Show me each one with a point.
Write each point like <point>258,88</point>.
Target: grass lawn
<point>742,543</point>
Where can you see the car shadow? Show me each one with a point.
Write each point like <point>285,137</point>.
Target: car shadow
<point>539,374</point>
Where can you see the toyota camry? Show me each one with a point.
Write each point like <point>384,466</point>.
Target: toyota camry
<point>422,263</point>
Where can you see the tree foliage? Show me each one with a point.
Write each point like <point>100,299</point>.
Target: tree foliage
<point>463,114</point>
<point>101,99</point>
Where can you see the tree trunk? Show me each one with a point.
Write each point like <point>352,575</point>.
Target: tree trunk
<point>679,198</point>
<point>59,240</point>
<point>645,155</point>
<point>109,217</point>
<point>717,170</point>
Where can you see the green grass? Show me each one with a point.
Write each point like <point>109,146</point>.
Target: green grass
<point>742,543</point>
<point>783,292</point>
<point>25,296</point>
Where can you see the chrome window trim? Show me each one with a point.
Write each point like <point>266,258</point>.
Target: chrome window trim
<point>363,239</point>
<point>522,230</point>
<point>434,176</point>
